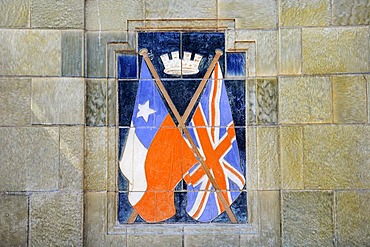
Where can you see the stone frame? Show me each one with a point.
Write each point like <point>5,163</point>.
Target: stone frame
<point>262,221</point>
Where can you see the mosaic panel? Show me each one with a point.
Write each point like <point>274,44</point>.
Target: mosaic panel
<point>182,130</point>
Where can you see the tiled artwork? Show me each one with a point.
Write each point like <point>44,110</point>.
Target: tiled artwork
<point>182,130</point>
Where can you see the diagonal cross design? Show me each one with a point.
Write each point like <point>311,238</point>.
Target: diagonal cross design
<point>183,129</point>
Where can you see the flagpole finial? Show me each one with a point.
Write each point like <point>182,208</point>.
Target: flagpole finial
<point>218,51</point>
<point>143,51</point>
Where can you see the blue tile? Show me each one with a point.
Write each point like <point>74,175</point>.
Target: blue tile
<point>236,93</point>
<point>127,66</point>
<point>124,208</point>
<point>205,44</point>
<point>159,43</point>
<point>239,208</point>
<point>236,64</point>
<point>127,91</point>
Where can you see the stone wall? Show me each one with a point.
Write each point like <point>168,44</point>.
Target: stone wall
<point>308,136</point>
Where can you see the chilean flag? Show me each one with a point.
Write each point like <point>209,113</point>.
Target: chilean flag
<point>212,129</point>
<point>155,156</point>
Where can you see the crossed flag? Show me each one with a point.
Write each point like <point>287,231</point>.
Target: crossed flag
<point>158,154</point>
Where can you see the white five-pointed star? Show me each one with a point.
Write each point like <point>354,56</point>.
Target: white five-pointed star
<point>145,111</point>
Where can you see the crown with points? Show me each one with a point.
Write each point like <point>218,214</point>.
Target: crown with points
<point>177,66</point>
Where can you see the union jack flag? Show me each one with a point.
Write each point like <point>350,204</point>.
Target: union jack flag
<point>212,129</point>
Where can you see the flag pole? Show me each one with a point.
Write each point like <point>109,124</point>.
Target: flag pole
<point>181,121</point>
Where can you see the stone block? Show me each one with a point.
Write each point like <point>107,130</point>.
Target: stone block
<point>352,218</point>
<point>335,50</point>
<point>154,240</point>
<point>57,101</point>
<point>108,15</point>
<point>15,102</point>
<point>211,240</point>
<point>96,158</point>
<point>351,12</point>
<point>96,102</point>
<point>307,218</point>
<point>268,158</point>
<point>15,13</point>
<point>112,159</point>
<point>19,47</point>
<point>290,51</point>
<point>305,13</point>
<point>266,41</point>
<point>336,157</point>
<point>56,219</point>
<point>95,218</point>
<point>57,14</point>
<point>368,95</point>
<point>71,158</point>
<point>96,57</point>
<point>305,100</point>
<point>252,161</point>
<point>72,48</point>
<point>267,99</point>
<point>100,107</point>
<point>349,99</point>
<point>252,101</point>
<point>25,152</point>
<point>199,9</point>
<point>291,157</point>
<point>13,219</point>
<point>269,210</point>
<point>250,13</point>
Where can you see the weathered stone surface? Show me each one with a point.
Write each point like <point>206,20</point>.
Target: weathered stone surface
<point>72,53</point>
<point>25,152</point>
<point>19,47</point>
<point>112,159</point>
<point>15,13</point>
<point>269,210</point>
<point>180,9</point>
<point>56,219</point>
<point>96,158</point>
<point>268,158</point>
<point>267,98</point>
<point>368,95</point>
<point>332,50</point>
<point>96,51</point>
<point>57,101</point>
<point>57,14</point>
<point>266,64</point>
<point>154,240</point>
<point>107,15</point>
<point>305,100</point>
<point>250,13</point>
<point>15,102</point>
<point>305,13</point>
<point>307,218</point>
<point>291,157</point>
<point>353,218</point>
<point>96,109</point>
<point>290,51</point>
<point>95,220</point>
<point>252,101</point>
<point>250,240</point>
<point>13,220</point>
<point>211,240</point>
<point>349,99</point>
<point>336,157</point>
<point>351,12</point>
<point>71,158</point>
<point>252,161</point>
